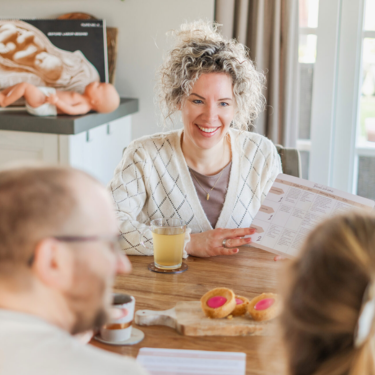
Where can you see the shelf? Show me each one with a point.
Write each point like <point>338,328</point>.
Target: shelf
<point>63,124</point>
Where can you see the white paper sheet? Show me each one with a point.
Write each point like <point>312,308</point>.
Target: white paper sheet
<point>293,207</point>
<point>194,362</point>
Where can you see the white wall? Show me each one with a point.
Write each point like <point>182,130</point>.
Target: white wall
<point>142,26</point>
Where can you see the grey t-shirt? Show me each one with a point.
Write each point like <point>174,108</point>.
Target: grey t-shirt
<point>30,345</point>
<point>213,206</point>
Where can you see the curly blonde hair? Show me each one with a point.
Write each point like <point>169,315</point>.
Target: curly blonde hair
<point>201,49</point>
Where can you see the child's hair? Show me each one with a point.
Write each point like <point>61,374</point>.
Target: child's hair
<point>200,49</point>
<point>324,295</point>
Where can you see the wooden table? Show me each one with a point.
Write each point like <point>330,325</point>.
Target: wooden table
<point>248,273</point>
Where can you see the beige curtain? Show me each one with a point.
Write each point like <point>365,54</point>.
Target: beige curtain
<point>270,29</point>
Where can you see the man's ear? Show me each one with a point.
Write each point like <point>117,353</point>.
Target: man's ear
<point>53,264</point>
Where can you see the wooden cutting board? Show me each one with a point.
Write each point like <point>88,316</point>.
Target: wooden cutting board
<point>188,319</point>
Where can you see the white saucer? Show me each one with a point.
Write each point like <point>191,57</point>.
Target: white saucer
<point>136,337</point>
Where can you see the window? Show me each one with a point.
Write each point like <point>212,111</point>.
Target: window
<point>340,146</point>
<point>308,25</point>
<point>365,144</point>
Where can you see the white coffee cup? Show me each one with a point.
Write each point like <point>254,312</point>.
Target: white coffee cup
<point>120,329</point>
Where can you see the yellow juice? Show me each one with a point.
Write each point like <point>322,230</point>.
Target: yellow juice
<point>168,247</point>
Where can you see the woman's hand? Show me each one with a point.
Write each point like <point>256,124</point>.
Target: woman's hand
<point>210,243</point>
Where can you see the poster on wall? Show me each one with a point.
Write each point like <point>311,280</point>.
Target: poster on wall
<point>64,54</point>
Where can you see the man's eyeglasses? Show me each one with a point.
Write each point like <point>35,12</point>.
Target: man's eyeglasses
<point>113,241</point>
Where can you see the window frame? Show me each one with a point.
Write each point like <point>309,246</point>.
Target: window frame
<point>362,148</point>
<point>335,108</point>
<point>303,144</point>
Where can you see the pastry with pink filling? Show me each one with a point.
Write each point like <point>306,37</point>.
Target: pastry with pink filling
<point>265,307</point>
<point>241,306</point>
<point>218,303</point>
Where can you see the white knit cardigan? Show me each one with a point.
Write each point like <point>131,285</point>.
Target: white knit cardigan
<point>153,181</point>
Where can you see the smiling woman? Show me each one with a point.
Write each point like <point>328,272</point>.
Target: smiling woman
<point>213,173</point>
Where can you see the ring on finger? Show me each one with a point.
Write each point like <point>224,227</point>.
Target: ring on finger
<point>224,242</point>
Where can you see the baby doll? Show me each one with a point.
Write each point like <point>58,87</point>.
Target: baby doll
<point>47,101</point>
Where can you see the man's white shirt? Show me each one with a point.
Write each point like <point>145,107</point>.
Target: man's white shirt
<point>32,346</point>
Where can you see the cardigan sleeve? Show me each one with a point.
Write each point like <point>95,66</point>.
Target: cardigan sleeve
<point>129,193</point>
<point>273,168</point>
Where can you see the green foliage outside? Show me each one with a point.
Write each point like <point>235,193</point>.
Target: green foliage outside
<point>367,110</point>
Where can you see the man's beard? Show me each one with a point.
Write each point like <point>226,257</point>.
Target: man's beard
<point>87,300</point>
<point>84,323</point>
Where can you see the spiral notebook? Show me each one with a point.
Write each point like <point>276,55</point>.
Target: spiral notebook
<point>191,362</point>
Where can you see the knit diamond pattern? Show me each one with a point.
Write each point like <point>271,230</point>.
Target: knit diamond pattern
<point>152,181</point>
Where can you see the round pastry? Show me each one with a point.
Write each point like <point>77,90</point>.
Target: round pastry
<point>265,306</point>
<point>241,306</point>
<point>218,303</point>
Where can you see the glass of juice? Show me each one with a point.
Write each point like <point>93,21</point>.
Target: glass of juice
<point>168,237</point>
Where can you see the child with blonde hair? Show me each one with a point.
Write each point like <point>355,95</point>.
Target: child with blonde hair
<point>329,300</point>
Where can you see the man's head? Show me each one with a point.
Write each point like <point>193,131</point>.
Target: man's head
<point>41,209</point>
